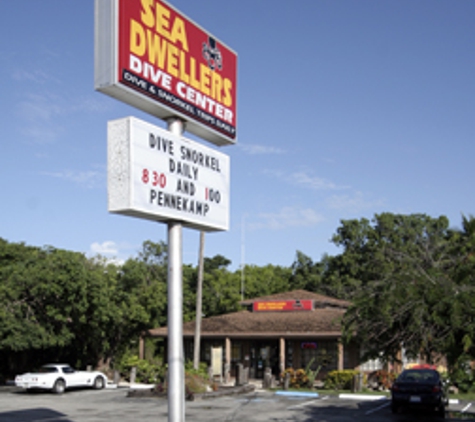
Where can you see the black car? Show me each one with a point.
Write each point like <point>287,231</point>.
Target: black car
<point>419,388</point>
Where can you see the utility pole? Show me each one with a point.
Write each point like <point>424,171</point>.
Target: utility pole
<point>242,257</point>
<point>199,294</point>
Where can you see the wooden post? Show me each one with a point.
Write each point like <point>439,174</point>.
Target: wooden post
<point>227,363</point>
<point>281,355</point>
<point>199,294</point>
<point>340,356</point>
<point>141,347</point>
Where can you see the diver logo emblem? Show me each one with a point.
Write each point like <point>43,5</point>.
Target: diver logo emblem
<point>212,54</point>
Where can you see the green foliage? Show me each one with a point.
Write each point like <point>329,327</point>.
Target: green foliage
<point>301,378</point>
<point>414,285</point>
<point>264,281</point>
<point>57,305</point>
<point>306,274</point>
<point>410,279</point>
<point>195,383</point>
<point>462,375</point>
<point>385,378</point>
<point>312,374</point>
<point>196,380</point>
<point>202,370</point>
<point>146,372</point>
<point>340,380</point>
<point>298,378</point>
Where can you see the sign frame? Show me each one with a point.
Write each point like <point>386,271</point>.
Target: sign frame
<point>156,175</point>
<point>206,116</point>
<point>282,305</point>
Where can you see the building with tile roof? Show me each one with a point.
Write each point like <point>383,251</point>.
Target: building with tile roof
<point>278,331</point>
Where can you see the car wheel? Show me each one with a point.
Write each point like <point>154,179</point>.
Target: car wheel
<point>441,411</point>
<point>59,386</point>
<point>394,408</point>
<point>99,383</point>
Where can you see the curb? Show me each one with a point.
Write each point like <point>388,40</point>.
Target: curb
<point>141,386</point>
<point>366,397</point>
<point>296,394</point>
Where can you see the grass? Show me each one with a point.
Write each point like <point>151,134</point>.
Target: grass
<point>463,396</point>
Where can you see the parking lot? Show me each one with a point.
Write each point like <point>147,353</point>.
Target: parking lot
<point>114,405</point>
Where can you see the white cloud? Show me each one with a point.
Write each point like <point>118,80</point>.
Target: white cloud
<point>254,149</point>
<point>313,182</point>
<point>355,202</point>
<point>112,252</point>
<point>36,76</point>
<point>89,179</point>
<point>105,248</point>
<point>287,217</point>
<point>306,180</point>
<point>41,107</point>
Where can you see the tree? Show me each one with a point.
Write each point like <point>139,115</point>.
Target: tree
<point>305,273</point>
<point>408,293</point>
<point>54,304</point>
<point>264,281</point>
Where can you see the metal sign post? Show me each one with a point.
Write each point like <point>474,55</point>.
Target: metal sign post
<point>176,364</point>
<point>158,175</point>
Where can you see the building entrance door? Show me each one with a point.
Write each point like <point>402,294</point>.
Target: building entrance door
<point>264,354</point>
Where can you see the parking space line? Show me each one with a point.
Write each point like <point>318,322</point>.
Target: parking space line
<point>377,408</point>
<point>297,406</point>
<point>466,408</point>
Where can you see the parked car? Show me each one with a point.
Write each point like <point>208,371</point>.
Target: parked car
<point>59,377</point>
<point>419,388</point>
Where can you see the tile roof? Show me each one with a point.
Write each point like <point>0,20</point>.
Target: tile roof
<point>319,300</point>
<point>323,321</point>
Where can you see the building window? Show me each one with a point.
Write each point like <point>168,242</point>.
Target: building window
<point>322,353</point>
<point>189,349</point>
<point>371,365</point>
<point>236,352</point>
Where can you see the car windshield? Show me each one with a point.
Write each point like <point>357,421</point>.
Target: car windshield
<point>47,369</point>
<point>419,375</point>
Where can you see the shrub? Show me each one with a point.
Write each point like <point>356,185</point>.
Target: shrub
<point>301,378</point>
<point>340,380</point>
<point>146,372</point>
<point>385,378</point>
<point>202,370</point>
<point>298,378</point>
<point>462,376</point>
<point>195,383</point>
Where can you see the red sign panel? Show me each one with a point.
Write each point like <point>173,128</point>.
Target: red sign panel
<point>283,305</point>
<point>171,63</point>
<point>309,345</point>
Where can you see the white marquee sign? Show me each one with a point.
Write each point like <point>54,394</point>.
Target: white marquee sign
<point>156,175</point>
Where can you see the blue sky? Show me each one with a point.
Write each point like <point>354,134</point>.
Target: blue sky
<point>345,109</point>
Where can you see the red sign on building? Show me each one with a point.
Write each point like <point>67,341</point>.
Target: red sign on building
<point>282,305</point>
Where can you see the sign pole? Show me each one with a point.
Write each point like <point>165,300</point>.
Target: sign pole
<point>176,366</point>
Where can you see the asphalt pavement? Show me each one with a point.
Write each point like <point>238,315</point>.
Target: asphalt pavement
<point>259,406</point>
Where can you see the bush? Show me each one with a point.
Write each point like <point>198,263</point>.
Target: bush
<point>340,380</point>
<point>298,378</point>
<point>463,377</point>
<point>202,370</point>
<point>195,383</point>
<point>385,379</point>
<point>301,378</point>
<point>146,372</point>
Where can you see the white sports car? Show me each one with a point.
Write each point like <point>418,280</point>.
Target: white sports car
<point>59,377</point>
